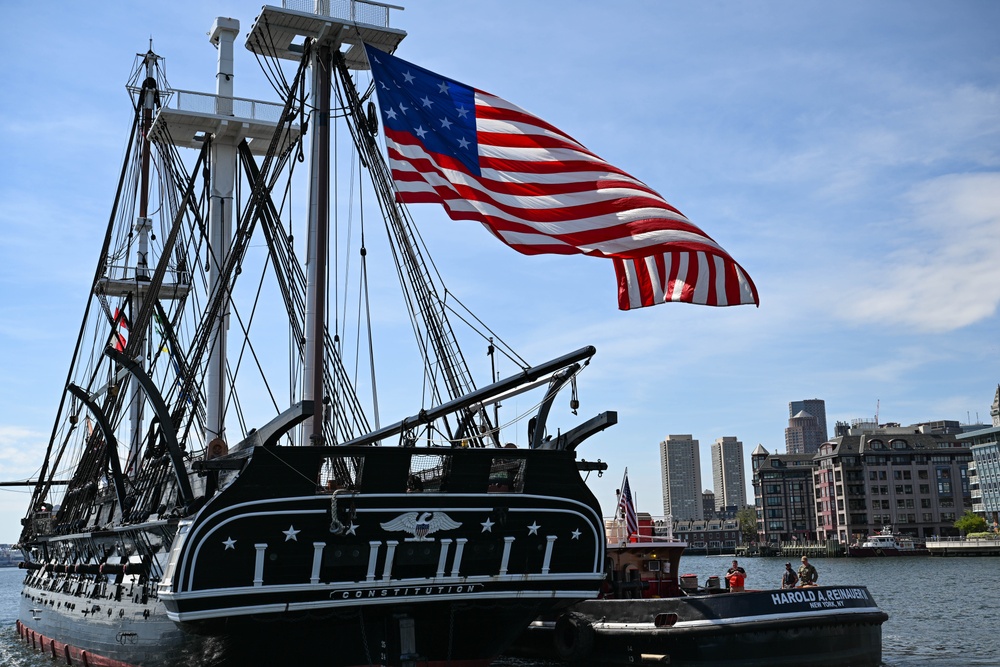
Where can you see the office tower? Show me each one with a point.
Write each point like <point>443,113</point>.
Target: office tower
<point>728,473</point>
<point>817,408</point>
<point>680,473</point>
<point>806,426</point>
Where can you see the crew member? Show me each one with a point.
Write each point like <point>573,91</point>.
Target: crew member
<point>788,577</point>
<point>736,575</point>
<point>807,573</point>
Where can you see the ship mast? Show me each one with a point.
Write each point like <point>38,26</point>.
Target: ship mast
<point>143,227</point>
<point>220,228</point>
<point>288,34</point>
<point>316,257</point>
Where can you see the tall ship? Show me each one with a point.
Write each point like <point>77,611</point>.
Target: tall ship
<point>197,506</point>
<point>219,487</point>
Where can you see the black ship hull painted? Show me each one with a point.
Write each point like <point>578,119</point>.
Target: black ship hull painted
<point>825,626</point>
<point>370,574</point>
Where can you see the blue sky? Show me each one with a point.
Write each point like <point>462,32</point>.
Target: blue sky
<point>846,154</point>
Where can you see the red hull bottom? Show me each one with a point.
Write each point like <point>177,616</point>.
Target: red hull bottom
<point>71,655</point>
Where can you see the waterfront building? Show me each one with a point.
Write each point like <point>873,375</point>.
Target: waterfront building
<point>708,536</point>
<point>901,476</point>
<point>680,475</point>
<point>804,433</point>
<point>728,474</point>
<point>984,471</point>
<point>783,496</point>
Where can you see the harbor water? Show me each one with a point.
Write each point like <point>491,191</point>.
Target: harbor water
<point>943,612</point>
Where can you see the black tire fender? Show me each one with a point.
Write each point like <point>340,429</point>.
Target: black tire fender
<point>573,637</point>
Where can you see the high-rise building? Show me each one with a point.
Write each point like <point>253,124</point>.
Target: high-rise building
<point>817,408</point>
<point>806,426</point>
<point>728,474</point>
<point>680,473</point>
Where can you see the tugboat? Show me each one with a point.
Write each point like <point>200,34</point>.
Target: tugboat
<point>648,614</point>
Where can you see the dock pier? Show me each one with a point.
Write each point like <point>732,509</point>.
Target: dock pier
<point>961,546</point>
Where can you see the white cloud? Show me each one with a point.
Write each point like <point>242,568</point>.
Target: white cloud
<point>945,273</point>
<point>21,452</point>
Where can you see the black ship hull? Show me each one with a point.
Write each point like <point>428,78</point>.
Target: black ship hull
<point>822,626</point>
<point>370,575</point>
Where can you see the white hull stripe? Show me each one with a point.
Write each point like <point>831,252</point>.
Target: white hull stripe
<point>735,620</point>
<point>394,583</point>
<point>281,608</point>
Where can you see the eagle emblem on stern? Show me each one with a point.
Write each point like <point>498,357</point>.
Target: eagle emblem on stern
<point>420,525</point>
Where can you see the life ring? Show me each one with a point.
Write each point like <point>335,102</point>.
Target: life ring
<point>573,637</point>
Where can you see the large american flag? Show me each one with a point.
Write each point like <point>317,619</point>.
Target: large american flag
<point>540,191</point>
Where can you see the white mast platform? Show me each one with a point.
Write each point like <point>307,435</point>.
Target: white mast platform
<point>281,31</point>
<point>186,118</point>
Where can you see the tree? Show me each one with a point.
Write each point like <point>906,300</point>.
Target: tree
<point>971,523</point>
<point>748,524</point>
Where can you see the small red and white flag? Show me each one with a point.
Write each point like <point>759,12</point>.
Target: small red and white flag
<point>120,323</point>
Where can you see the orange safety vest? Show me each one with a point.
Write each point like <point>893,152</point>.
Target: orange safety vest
<point>736,580</point>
